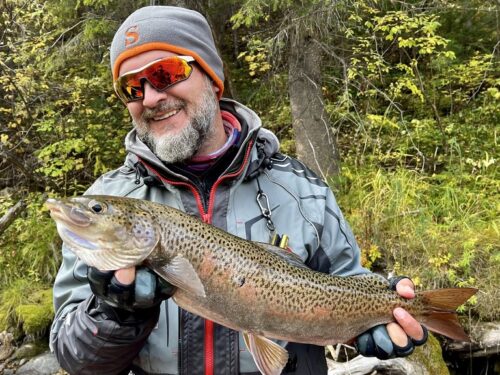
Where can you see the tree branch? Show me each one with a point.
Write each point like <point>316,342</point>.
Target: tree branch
<point>11,215</point>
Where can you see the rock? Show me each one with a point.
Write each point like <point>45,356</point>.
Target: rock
<point>6,345</point>
<point>29,350</point>
<point>44,364</point>
<point>430,357</point>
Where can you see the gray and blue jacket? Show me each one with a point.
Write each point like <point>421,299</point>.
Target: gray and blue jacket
<point>176,342</point>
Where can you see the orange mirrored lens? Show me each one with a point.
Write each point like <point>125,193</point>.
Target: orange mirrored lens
<point>160,74</point>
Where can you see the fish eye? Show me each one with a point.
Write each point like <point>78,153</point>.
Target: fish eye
<point>97,207</point>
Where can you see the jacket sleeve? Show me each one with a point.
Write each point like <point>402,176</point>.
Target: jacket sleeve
<point>85,337</point>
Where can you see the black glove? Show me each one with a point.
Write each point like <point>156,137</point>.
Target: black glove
<point>376,342</point>
<point>147,291</point>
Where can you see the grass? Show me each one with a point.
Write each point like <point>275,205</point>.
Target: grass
<point>29,259</point>
<point>440,230</point>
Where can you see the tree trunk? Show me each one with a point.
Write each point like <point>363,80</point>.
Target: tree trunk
<point>315,139</point>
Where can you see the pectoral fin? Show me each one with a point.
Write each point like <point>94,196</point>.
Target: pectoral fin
<point>180,272</point>
<point>269,357</point>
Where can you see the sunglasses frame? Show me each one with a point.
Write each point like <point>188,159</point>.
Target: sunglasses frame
<point>118,87</point>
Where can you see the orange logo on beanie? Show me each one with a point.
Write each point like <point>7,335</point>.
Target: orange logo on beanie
<point>131,35</point>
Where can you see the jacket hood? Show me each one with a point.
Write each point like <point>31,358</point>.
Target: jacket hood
<point>136,149</point>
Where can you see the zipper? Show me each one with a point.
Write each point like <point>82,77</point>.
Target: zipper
<point>206,216</point>
<point>209,325</point>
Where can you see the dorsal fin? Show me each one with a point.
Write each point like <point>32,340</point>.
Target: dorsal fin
<point>286,255</point>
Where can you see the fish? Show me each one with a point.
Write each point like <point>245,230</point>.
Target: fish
<point>264,291</point>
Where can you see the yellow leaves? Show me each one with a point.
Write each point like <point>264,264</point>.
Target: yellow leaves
<point>62,157</point>
<point>378,121</point>
<point>494,93</point>
<point>417,31</point>
<point>440,260</point>
<point>370,255</point>
<point>403,85</point>
<point>256,58</point>
<point>4,138</point>
<point>417,281</point>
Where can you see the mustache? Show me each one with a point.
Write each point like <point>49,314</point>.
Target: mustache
<point>162,107</point>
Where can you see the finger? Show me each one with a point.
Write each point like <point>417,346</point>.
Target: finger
<point>408,323</point>
<point>405,288</point>
<point>125,276</point>
<point>397,334</point>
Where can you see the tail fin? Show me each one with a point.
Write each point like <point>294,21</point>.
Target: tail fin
<point>439,311</point>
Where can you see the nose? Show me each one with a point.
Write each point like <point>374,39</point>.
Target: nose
<point>152,96</point>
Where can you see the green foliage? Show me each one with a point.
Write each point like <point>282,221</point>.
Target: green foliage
<point>413,95</point>
<point>36,316</point>
<point>27,307</point>
<point>442,230</point>
<point>59,107</point>
<point>28,248</point>
<point>430,356</point>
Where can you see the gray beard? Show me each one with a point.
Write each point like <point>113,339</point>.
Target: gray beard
<point>173,148</point>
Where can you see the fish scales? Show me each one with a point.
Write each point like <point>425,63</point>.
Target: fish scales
<point>255,288</point>
<point>272,289</point>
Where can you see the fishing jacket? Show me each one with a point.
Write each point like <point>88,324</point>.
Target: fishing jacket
<point>254,192</point>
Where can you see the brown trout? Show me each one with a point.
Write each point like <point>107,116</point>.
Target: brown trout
<point>259,289</point>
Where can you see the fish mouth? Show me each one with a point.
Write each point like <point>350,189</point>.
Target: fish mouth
<point>70,215</point>
<point>74,241</point>
<point>68,220</point>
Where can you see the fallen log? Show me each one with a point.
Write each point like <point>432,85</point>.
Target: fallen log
<point>11,215</point>
<point>485,342</point>
<point>371,365</point>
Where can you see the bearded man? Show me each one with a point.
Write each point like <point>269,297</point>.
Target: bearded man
<point>209,156</point>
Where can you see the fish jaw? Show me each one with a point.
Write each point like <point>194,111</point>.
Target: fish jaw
<point>109,239</point>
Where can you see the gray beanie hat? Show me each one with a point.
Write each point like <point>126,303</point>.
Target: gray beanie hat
<point>178,30</point>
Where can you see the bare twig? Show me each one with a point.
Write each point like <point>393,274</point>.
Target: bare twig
<point>66,31</point>
<point>493,53</point>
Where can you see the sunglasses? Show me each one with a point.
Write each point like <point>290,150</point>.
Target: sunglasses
<point>161,74</point>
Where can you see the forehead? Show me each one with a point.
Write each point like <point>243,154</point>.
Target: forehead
<point>142,59</point>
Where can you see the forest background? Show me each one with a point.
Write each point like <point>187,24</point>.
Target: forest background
<point>395,103</point>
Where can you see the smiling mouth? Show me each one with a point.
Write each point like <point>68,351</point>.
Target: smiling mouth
<point>166,115</point>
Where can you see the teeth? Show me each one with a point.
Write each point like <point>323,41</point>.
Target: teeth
<point>166,115</point>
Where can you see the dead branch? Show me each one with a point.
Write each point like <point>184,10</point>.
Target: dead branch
<point>11,215</point>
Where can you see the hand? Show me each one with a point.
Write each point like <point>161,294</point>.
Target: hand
<point>394,339</point>
<point>129,289</point>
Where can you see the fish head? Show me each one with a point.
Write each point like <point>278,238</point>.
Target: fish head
<point>108,233</point>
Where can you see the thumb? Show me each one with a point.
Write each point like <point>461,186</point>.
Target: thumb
<point>125,276</point>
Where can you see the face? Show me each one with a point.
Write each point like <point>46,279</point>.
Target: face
<point>180,122</point>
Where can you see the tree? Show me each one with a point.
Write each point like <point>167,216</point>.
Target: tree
<point>295,37</point>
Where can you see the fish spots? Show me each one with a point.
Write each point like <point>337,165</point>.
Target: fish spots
<point>240,281</point>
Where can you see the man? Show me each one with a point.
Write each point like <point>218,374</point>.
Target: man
<point>208,156</point>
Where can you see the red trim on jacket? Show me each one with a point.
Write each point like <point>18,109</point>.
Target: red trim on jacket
<point>207,218</point>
